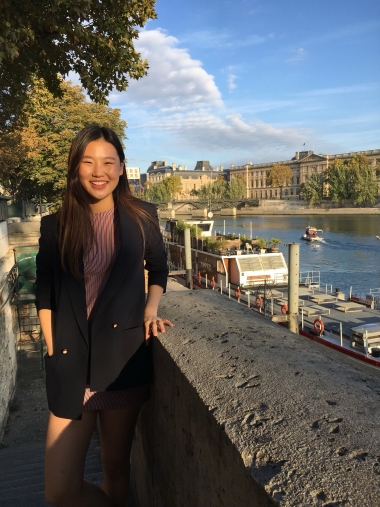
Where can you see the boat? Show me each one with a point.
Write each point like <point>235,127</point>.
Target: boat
<point>311,234</point>
<point>378,237</point>
<point>236,266</point>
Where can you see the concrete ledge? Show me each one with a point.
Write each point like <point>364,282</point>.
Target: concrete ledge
<point>244,413</point>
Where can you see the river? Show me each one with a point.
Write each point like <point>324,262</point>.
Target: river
<point>348,257</point>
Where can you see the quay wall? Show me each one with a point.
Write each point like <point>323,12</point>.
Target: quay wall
<point>8,342</point>
<point>244,413</point>
<point>267,207</point>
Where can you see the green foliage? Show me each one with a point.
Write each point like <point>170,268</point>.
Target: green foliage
<point>173,185</point>
<point>220,189</point>
<point>352,179</point>
<point>157,193</point>
<point>94,39</point>
<point>181,226</point>
<point>364,188</point>
<point>235,188</point>
<point>215,245</point>
<point>338,179</point>
<point>275,241</point>
<point>261,243</point>
<point>312,189</point>
<point>33,158</point>
<point>163,192</point>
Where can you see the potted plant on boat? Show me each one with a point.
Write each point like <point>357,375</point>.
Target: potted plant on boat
<point>261,244</point>
<point>274,242</point>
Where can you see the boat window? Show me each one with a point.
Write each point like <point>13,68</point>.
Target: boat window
<point>249,263</point>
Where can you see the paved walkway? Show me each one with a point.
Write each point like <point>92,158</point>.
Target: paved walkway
<point>22,449</point>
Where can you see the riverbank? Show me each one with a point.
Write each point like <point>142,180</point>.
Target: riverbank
<point>308,211</point>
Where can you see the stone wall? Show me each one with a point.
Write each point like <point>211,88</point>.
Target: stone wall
<point>4,243</point>
<point>244,413</point>
<point>8,339</point>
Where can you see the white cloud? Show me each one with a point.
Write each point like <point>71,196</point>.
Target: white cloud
<point>201,130</point>
<point>231,82</point>
<point>174,80</point>
<point>298,56</point>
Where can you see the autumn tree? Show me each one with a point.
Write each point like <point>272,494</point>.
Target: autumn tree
<point>279,176</point>
<point>173,185</point>
<point>94,39</point>
<point>33,158</point>
<point>312,189</point>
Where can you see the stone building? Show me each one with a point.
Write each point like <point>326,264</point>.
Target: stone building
<point>303,164</point>
<point>202,174</point>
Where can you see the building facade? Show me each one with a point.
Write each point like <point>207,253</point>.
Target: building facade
<point>303,165</point>
<point>192,181</point>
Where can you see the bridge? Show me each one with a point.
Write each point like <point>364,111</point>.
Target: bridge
<point>214,205</point>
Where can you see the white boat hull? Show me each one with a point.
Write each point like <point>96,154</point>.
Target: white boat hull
<point>311,238</point>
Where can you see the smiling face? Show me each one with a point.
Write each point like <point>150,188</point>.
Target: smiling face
<point>99,172</point>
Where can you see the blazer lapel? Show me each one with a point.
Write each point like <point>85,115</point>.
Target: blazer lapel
<point>77,293</point>
<point>127,260</point>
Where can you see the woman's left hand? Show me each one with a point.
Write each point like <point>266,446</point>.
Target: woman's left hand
<point>153,324</point>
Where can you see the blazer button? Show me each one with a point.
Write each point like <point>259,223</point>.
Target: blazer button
<point>64,351</point>
<point>114,325</point>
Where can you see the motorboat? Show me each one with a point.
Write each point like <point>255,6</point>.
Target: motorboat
<point>311,234</point>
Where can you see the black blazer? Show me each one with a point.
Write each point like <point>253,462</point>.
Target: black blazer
<point>119,358</point>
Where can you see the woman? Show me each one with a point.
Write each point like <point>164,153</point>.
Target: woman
<point>90,297</point>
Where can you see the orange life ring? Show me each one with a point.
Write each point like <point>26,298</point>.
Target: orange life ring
<point>237,292</point>
<point>318,325</point>
<point>259,302</point>
<point>284,308</point>
<point>212,283</point>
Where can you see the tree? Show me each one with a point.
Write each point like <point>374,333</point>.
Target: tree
<point>352,179</point>
<point>219,188</point>
<point>33,158</point>
<point>338,181</point>
<point>156,192</point>
<point>44,38</point>
<point>173,185</point>
<point>363,188</point>
<point>236,188</point>
<point>279,176</point>
<point>312,189</point>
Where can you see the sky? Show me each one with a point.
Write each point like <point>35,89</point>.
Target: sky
<point>238,81</point>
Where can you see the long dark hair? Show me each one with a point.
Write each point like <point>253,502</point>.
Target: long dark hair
<point>75,232</point>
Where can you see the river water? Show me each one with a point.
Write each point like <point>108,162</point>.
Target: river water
<point>348,257</point>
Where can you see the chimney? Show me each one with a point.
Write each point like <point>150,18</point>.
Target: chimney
<point>174,166</point>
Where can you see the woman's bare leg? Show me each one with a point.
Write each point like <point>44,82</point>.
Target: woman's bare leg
<point>117,428</point>
<point>67,443</point>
